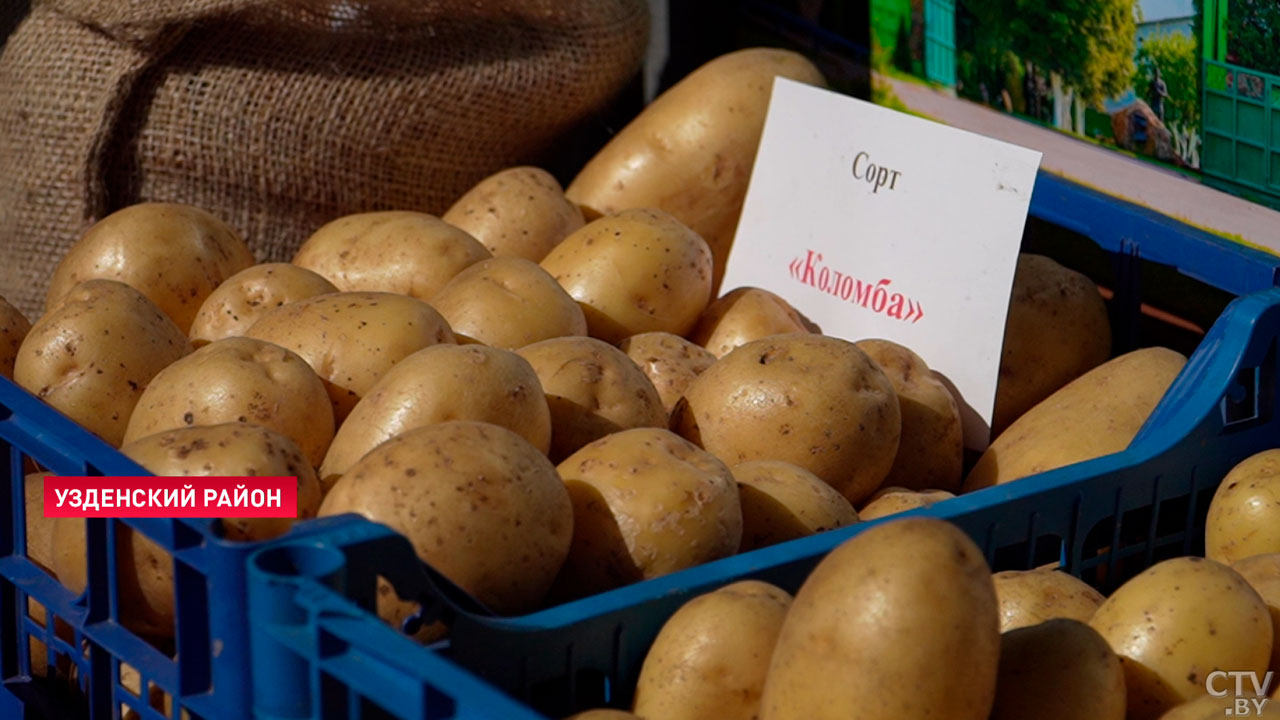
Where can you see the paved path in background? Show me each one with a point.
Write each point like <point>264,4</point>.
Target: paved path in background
<point>1162,190</point>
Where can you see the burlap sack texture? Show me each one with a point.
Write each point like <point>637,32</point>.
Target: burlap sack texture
<point>281,115</point>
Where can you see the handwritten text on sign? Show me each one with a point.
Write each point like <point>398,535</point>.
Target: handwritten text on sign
<point>878,224</point>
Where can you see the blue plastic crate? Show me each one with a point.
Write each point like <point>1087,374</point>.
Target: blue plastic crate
<point>278,630</point>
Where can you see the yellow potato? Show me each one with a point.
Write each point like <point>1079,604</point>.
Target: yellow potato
<point>931,453</point>
<point>1031,597</point>
<point>897,622</point>
<point>592,390</point>
<point>710,659</point>
<point>13,330</point>
<point>1210,707</point>
<point>892,500</point>
<point>518,212</point>
<point>39,528</point>
<point>1057,330</point>
<point>174,254</point>
<point>1244,515</point>
<point>638,271</point>
<point>409,253</point>
<point>438,384</point>
<point>814,401</point>
<point>669,361</point>
<point>1096,414</point>
<point>744,315</point>
<point>782,502</point>
<point>690,152</point>
<point>93,355</point>
<point>239,379</point>
<point>508,303</point>
<point>351,339</point>
<point>1058,670</point>
<point>478,502</point>
<point>1262,572</point>
<point>1177,622</point>
<point>241,299</point>
<point>229,450</point>
<point>645,503</point>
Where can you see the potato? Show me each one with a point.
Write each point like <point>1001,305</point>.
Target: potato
<point>1209,707</point>
<point>39,528</point>
<point>690,152</point>
<point>239,379</point>
<point>816,402</point>
<point>1262,572</point>
<point>508,303</point>
<point>634,272</point>
<point>519,212</point>
<point>892,500</point>
<point>669,361</point>
<point>592,390</point>
<point>710,659</point>
<point>897,622</point>
<point>229,450</point>
<point>1058,670</point>
<point>931,453</point>
<point>1096,414</point>
<point>241,299</point>
<point>441,383</point>
<point>174,254</point>
<point>1057,330</point>
<point>14,327</point>
<point>783,502</point>
<point>351,339</point>
<point>1031,597</point>
<point>409,253</point>
<point>744,315</point>
<point>645,503</point>
<point>478,502</point>
<point>1244,515</point>
<point>1175,623</point>
<point>93,356</point>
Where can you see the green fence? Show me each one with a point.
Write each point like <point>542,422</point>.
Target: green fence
<point>940,41</point>
<point>1241,126</point>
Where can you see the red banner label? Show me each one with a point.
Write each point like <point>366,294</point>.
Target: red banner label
<point>170,497</point>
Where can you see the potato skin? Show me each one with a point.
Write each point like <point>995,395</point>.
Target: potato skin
<point>1060,669</point>
<point>871,614</point>
<point>1031,597</point>
<point>817,402</point>
<point>710,658</point>
<point>592,389</point>
<point>1262,572</point>
<point>239,379</point>
<point>94,355</point>
<point>646,503</point>
<point>351,339</point>
<point>441,383</point>
<point>241,299</point>
<point>1244,515</point>
<point>893,500</point>
<point>1178,621</point>
<point>690,152</point>
<point>743,315</point>
<point>175,255</point>
<point>640,270</point>
<point>478,502</point>
<point>669,361</point>
<point>409,253</point>
<point>1057,330</point>
<point>518,212</point>
<point>1215,708</point>
<point>931,453</point>
<point>508,303</point>
<point>782,502</point>
<point>14,327</point>
<point>1096,414</point>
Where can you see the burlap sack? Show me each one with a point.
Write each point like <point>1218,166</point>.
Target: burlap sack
<point>280,115</point>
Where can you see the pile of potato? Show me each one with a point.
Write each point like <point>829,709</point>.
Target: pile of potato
<point>906,620</point>
<point>546,391</point>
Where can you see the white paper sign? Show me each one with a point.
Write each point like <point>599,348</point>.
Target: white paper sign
<point>878,224</point>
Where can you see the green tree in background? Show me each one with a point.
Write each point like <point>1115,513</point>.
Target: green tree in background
<point>1175,54</point>
<point>1253,34</point>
